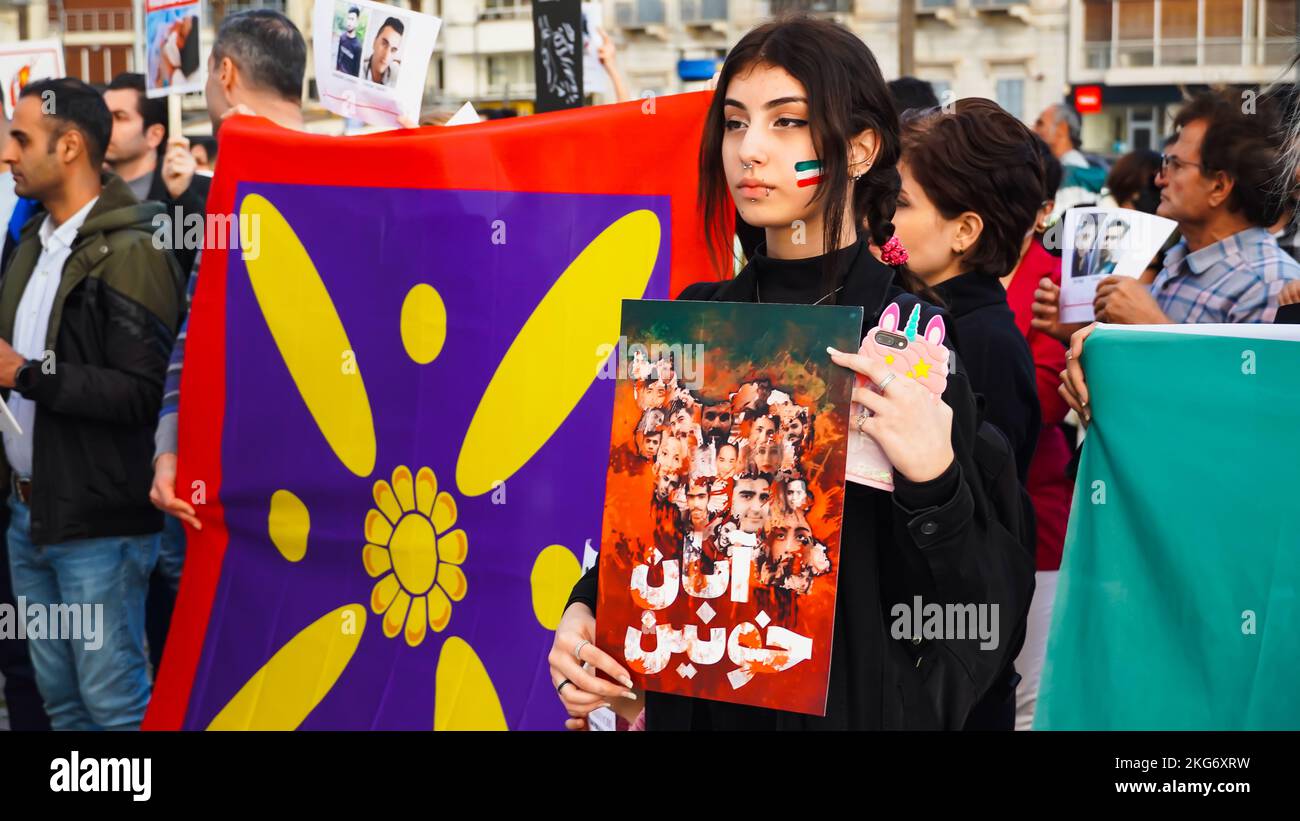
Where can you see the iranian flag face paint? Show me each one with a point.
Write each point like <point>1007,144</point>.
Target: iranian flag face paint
<point>808,172</point>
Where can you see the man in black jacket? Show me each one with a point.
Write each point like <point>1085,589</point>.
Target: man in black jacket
<point>88,309</point>
<point>135,154</point>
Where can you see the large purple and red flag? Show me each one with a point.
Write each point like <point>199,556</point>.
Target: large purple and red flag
<point>391,420</point>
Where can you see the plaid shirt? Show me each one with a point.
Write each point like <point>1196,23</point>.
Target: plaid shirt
<point>1237,279</point>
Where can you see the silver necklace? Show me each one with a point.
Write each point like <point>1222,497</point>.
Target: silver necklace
<point>758,297</point>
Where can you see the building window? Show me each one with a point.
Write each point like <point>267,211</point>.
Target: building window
<point>1097,33</point>
<point>1178,32</point>
<point>245,5</point>
<point>506,9</point>
<point>1224,32</point>
<point>1011,96</point>
<point>1137,19</point>
<point>509,72</point>
<point>1279,31</point>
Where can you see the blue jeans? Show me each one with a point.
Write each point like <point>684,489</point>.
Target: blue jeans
<point>171,551</point>
<point>100,679</point>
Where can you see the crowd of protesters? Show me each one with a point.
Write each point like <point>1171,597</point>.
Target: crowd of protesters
<point>93,333</point>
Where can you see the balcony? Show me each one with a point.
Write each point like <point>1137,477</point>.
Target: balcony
<point>639,14</point>
<point>701,12</point>
<point>933,5</point>
<point>96,20</point>
<point>1175,53</point>
<point>244,5</point>
<point>506,10</point>
<point>812,6</point>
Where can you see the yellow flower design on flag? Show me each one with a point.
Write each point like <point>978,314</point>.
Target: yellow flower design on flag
<point>411,544</point>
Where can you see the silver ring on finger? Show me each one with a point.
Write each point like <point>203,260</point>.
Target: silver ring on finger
<point>577,651</point>
<point>560,687</point>
<point>861,422</point>
<point>884,383</point>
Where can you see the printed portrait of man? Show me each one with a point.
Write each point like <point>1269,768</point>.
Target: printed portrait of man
<point>715,421</point>
<point>649,432</point>
<point>1085,238</point>
<point>750,498</point>
<point>348,60</point>
<point>652,394</point>
<point>794,425</point>
<point>762,429</point>
<point>697,504</point>
<point>383,63</point>
<point>681,422</point>
<point>796,494</point>
<point>1112,243</point>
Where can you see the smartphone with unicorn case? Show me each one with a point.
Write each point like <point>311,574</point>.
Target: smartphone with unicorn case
<point>916,356</point>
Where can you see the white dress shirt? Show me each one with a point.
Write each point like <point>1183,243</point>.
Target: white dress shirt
<point>8,201</point>
<point>31,323</point>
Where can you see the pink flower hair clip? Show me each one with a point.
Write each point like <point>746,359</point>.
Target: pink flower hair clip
<point>893,252</point>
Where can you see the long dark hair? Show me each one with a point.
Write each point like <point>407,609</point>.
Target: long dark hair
<point>846,96</point>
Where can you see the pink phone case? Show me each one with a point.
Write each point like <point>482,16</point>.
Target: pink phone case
<point>924,360</point>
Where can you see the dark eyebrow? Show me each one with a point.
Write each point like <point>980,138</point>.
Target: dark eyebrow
<point>779,101</point>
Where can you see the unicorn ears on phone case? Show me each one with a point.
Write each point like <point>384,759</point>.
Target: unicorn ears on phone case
<point>889,319</point>
<point>935,330</point>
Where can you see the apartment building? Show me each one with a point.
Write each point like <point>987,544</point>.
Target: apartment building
<point>1140,56</point>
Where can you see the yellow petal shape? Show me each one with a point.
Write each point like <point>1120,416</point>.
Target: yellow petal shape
<point>557,354</point>
<point>417,622</point>
<point>465,698</point>
<point>453,547</point>
<point>439,609</point>
<point>444,512</point>
<point>378,530</point>
<point>386,501</point>
<point>452,580</point>
<point>376,559</point>
<point>288,524</point>
<point>385,590</point>
<point>395,618</point>
<point>424,323</point>
<point>310,337</point>
<point>402,488</point>
<point>426,489</point>
<point>283,693</point>
<point>555,571</point>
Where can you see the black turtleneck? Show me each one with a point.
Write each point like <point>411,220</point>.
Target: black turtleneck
<point>924,539</point>
<point>801,281</point>
<point>997,359</point>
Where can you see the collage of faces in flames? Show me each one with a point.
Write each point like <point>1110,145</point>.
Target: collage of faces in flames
<point>729,469</point>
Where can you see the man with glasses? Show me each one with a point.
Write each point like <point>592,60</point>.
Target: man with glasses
<point>1218,181</point>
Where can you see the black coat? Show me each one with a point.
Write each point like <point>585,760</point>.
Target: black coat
<point>935,540</point>
<point>997,358</point>
<point>111,329</point>
<point>193,200</point>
